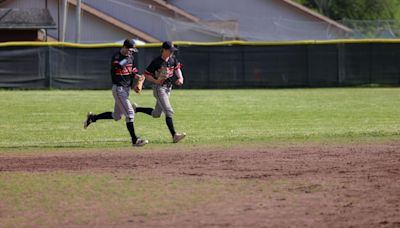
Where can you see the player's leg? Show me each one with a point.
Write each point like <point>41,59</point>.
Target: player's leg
<point>102,116</point>
<point>157,111</point>
<point>176,137</point>
<point>147,111</point>
<point>118,108</point>
<point>91,117</point>
<point>163,104</point>
<point>163,94</point>
<point>124,106</point>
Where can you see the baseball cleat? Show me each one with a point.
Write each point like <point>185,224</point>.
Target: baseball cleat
<point>178,137</point>
<point>89,120</point>
<point>140,142</point>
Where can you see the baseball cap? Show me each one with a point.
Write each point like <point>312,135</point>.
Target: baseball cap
<point>169,46</point>
<point>130,44</point>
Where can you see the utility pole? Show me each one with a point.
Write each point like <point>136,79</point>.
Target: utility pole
<point>78,21</point>
<point>45,30</point>
<point>65,12</point>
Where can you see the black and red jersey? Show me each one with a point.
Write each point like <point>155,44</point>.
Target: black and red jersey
<point>123,69</point>
<point>161,68</point>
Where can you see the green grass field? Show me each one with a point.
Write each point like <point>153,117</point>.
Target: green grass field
<point>53,119</point>
<point>39,199</point>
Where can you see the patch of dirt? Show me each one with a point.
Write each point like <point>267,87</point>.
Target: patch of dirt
<point>337,186</point>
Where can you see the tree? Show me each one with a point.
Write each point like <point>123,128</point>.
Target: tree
<point>355,9</point>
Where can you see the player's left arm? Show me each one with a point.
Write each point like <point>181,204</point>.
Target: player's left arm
<point>138,85</point>
<point>178,73</point>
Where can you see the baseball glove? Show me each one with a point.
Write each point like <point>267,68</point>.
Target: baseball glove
<point>139,84</point>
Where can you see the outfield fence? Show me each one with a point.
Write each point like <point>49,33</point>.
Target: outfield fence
<point>234,64</point>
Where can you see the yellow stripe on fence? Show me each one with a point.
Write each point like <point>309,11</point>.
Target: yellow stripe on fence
<point>185,43</point>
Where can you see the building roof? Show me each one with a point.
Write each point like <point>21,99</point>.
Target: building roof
<point>26,19</point>
<point>296,6</point>
<point>187,16</point>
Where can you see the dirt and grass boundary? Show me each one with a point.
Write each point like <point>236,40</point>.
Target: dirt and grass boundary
<point>261,186</point>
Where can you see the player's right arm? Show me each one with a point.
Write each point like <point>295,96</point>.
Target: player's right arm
<point>150,71</point>
<point>149,77</point>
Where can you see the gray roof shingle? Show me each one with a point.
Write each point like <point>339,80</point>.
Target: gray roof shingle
<point>26,19</point>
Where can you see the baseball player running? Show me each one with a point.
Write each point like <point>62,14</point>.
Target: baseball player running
<point>123,72</point>
<point>159,72</point>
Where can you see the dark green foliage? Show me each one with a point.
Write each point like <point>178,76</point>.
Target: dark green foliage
<point>355,9</point>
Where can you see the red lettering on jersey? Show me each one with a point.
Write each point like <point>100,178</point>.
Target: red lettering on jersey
<point>127,70</point>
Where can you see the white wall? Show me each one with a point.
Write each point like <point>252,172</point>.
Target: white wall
<point>146,18</point>
<point>261,19</point>
<point>93,30</point>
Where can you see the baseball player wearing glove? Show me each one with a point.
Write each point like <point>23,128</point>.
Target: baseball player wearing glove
<point>160,72</point>
<point>123,73</point>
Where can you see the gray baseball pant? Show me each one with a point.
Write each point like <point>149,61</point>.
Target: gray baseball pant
<point>122,104</point>
<point>162,93</point>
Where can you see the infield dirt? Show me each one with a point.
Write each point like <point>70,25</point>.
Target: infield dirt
<point>272,186</point>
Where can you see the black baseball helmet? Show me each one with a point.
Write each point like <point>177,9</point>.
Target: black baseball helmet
<point>131,45</point>
<point>169,46</point>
